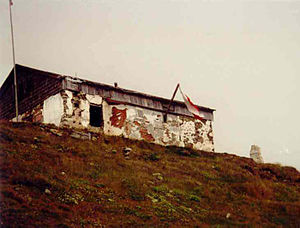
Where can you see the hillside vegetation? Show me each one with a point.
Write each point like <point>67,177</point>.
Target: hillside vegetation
<point>50,179</point>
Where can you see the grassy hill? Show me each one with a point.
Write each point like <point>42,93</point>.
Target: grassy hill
<point>51,177</point>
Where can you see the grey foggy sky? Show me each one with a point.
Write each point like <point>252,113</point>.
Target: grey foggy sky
<point>239,57</point>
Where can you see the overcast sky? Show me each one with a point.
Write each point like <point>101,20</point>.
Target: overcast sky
<point>239,57</point>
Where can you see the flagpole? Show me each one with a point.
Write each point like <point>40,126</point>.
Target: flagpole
<point>172,99</point>
<point>14,61</point>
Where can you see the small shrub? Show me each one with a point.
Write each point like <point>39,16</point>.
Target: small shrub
<point>257,189</point>
<point>285,193</point>
<point>194,198</point>
<point>161,188</point>
<point>154,157</point>
<point>134,189</point>
<point>198,190</point>
<point>143,216</point>
<point>12,195</point>
<point>208,175</point>
<point>38,181</point>
<point>176,150</point>
<point>280,220</point>
<point>129,211</point>
<point>178,192</point>
<point>100,185</point>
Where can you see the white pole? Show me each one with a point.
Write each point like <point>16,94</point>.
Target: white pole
<point>14,61</point>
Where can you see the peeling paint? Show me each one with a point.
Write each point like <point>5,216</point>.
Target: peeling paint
<point>148,125</point>
<point>73,109</point>
<point>124,113</point>
<point>77,108</point>
<point>95,99</point>
<point>69,105</point>
<point>146,135</point>
<point>84,107</point>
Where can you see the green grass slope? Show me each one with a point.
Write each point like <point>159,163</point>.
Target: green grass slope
<point>49,180</point>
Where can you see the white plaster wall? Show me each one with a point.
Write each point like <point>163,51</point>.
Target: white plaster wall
<point>106,113</point>
<point>148,125</point>
<point>69,105</point>
<point>187,130</point>
<point>108,128</point>
<point>206,145</point>
<point>85,112</point>
<point>85,107</point>
<point>94,99</point>
<point>79,116</point>
<point>143,124</point>
<point>53,109</point>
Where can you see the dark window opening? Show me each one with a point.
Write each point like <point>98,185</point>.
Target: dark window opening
<point>96,116</point>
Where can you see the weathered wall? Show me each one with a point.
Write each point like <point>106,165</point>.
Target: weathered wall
<point>72,109</point>
<point>53,109</point>
<point>34,115</point>
<point>50,111</point>
<point>76,109</point>
<point>137,123</point>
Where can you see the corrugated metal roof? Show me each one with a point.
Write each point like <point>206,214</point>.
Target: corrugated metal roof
<point>121,93</point>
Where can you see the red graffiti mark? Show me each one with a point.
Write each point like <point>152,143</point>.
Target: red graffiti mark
<point>128,128</point>
<point>118,117</point>
<point>136,123</point>
<point>146,135</point>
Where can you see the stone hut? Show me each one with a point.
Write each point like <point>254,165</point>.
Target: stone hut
<point>69,101</point>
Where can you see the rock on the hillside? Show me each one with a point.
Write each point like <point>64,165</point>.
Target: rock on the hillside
<point>228,215</point>
<point>55,132</point>
<point>33,146</point>
<point>75,135</point>
<point>127,152</point>
<point>153,199</point>
<point>94,138</point>
<point>36,140</point>
<point>158,176</point>
<point>80,135</point>
<point>255,154</point>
